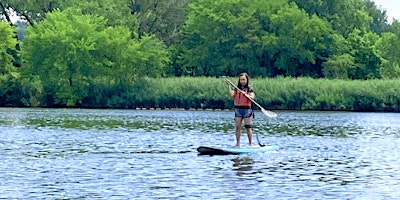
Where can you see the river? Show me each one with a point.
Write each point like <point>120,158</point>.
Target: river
<point>151,154</point>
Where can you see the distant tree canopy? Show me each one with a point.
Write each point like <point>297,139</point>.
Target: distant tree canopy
<point>162,18</point>
<point>290,38</point>
<point>69,50</point>
<point>265,38</point>
<point>8,43</point>
<point>68,46</point>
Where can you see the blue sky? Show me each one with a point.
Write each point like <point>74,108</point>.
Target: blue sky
<point>392,8</point>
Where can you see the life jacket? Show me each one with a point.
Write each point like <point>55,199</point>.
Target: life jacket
<point>241,100</point>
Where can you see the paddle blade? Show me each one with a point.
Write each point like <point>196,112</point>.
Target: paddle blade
<point>269,113</point>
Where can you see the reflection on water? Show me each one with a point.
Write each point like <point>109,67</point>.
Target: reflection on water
<point>135,154</point>
<point>242,165</point>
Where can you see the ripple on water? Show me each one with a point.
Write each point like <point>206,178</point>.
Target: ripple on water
<point>114,154</point>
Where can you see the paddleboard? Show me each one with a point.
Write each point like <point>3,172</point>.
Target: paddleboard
<point>205,150</point>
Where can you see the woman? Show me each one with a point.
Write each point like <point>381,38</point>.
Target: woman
<point>243,109</point>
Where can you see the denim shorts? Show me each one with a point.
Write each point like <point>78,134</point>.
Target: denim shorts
<point>243,113</point>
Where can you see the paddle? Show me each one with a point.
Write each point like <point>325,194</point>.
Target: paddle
<point>268,113</point>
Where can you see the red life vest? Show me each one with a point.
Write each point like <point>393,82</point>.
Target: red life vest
<point>240,99</point>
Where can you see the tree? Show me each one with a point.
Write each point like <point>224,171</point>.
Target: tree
<point>379,18</point>
<point>163,18</point>
<point>337,66</point>
<point>305,42</point>
<point>7,43</point>
<point>388,47</point>
<point>68,50</point>
<point>8,73</point>
<point>4,11</point>
<point>199,48</point>
<point>366,56</point>
<point>343,15</point>
<point>116,12</point>
<point>264,38</point>
<point>33,10</point>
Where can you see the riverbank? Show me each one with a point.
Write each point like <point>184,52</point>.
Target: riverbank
<point>274,93</point>
<point>281,93</point>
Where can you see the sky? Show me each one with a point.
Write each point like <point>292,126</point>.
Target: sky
<point>392,8</point>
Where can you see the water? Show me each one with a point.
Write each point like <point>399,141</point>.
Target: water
<point>135,154</point>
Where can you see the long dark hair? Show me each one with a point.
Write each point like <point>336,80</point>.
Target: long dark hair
<point>248,80</point>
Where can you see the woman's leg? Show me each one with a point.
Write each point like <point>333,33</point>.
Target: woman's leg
<point>238,122</point>
<point>247,125</point>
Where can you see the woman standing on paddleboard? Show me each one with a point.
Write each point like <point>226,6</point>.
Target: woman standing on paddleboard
<point>243,108</point>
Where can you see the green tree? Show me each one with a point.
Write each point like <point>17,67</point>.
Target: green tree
<point>61,51</point>
<point>337,66</point>
<point>7,42</point>
<point>69,50</point>
<point>231,36</point>
<point>116,12</point>
<point>128,59</point>
<point>305,42</point>
<point>199,46</point>
<point>366,57</point>
<point>388,47</point>
<point>8,73</point>
<point>343,15</point>
<point>163,18</point>
<point>379,22</point>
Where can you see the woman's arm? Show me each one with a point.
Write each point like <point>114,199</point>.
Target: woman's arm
<point>231,91</point>
<point>252,95</point>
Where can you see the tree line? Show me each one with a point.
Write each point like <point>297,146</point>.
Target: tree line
<point>62,51</point>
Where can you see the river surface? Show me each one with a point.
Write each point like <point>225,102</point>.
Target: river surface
<point>151,154</point>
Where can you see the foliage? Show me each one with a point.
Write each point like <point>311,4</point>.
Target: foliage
<point>280,93</point>
<point>8,73</point>
<point>366,56</point>
<point>324,94</point>
<point>343,15</point>
<point>388,47</point>
<point>116,13</point>
<point>265,37</point>
<point>68,50</point>
<point>337,66</point>
<point>31,10</point>
<point>105,53</point>
<point>163,18</point>
<point>7,43</point>
<point>32,92</point>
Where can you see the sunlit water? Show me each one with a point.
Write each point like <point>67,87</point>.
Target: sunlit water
<point>135,154</point>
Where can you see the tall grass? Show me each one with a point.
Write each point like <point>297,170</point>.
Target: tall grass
<point>326,94</point>
<point>281,93</point>
<point>188,92</point>
<point>278,93</point>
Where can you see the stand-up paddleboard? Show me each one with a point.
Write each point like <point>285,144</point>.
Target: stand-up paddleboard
<point>204,150</point>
